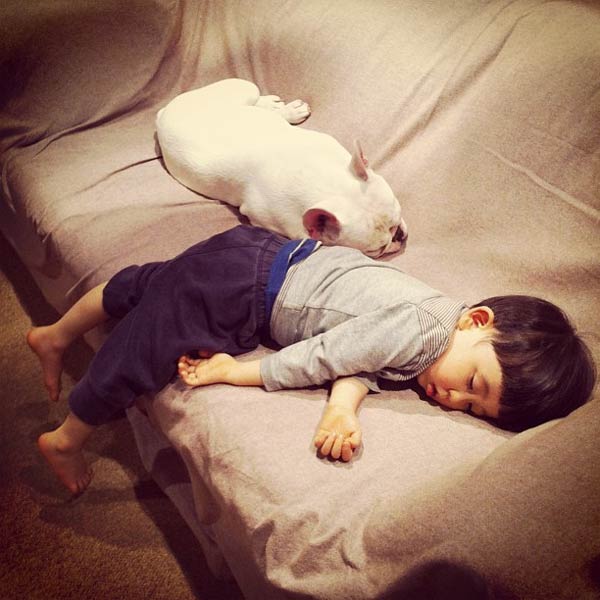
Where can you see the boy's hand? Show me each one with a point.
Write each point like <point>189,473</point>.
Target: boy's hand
<point>218,368</point>
<point>205,371</point>
<point>338,433</point>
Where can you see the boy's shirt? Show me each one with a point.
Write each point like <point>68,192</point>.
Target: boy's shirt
<point>341,313</point>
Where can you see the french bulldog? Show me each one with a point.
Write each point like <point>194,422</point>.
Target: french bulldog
<point>228,142</point>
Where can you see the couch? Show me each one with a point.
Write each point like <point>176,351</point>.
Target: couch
<point>484,116</point>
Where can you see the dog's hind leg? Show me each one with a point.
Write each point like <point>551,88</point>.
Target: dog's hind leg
<point>228,93</point>
<point>294,112</point>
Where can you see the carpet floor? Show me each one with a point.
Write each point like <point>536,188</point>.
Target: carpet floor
<point>122,538</point>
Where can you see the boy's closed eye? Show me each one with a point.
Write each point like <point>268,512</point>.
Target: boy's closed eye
<point>471,383</point>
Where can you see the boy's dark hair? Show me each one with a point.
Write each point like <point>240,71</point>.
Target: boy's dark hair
<point>547,370</point>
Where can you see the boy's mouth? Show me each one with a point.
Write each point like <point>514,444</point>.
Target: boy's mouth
<point>431,390</point>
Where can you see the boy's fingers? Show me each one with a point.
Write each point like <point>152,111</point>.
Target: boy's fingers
<point>336,450</point>
<point>346,451</point>
<point>320,437</point>
<point>328,444</point>
<point>186,362</point>
<point>336,445</point>
<point>355,439</point>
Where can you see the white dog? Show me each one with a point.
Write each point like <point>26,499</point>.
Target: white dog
<point>227,142</point>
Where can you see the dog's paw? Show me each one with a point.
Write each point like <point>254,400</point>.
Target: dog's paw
<point>295,112</point>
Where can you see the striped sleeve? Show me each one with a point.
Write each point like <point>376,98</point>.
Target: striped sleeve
<point>438,317</point>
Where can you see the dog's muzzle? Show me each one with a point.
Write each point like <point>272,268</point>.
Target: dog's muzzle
<point>401,232</point>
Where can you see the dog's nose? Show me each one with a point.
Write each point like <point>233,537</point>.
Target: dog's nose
<point>401,232</point>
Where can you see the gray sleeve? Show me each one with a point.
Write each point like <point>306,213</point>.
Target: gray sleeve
<point>388,337</point>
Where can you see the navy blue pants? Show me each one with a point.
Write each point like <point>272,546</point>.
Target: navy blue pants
<point>211,297</point>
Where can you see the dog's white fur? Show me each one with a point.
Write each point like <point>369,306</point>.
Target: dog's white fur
<point>227,142</point>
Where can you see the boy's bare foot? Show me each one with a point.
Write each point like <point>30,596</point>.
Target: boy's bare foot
<point>50,353</point>
<point>68,465</point>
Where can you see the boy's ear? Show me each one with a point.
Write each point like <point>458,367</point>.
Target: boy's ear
<point>479,316</point>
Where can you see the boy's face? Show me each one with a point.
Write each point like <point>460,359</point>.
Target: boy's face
<point>467,376</point>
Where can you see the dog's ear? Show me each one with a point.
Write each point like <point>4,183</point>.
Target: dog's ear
<point>359,164</point>
<point>321,225</point>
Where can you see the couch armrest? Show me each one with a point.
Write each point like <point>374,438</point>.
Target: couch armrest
<point>71,63</point>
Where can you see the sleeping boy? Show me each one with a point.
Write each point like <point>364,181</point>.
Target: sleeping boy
<point>338,315</point>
